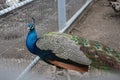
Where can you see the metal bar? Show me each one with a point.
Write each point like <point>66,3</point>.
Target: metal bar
<point>14,6</point>
<point>73,18</point>
<point>61,14</point>
<point>29,67</point>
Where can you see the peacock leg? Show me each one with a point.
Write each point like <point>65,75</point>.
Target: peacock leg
<point>67,74</point>
<point>60,72</point>
<point>55,73</point>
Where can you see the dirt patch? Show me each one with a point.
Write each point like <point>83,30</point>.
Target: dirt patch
<point>100,23</point>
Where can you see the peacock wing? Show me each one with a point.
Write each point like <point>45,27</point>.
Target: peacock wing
<point>64,46</point>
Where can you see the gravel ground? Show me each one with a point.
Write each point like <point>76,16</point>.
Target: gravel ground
<point>100,23</point>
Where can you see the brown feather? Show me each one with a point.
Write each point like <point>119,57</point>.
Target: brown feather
<point>70,66</point>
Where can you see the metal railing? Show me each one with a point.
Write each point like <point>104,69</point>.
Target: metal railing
<point>14,6</point>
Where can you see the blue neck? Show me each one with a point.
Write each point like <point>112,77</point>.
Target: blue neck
<point>31,45</point>
<point>31,42</point>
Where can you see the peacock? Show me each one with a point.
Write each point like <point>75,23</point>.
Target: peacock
<point>71,52</point>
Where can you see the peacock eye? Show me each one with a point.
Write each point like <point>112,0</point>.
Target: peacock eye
<point>31,27</point>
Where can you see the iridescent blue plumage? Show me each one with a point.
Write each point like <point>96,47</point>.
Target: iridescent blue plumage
<point>31,43</point>
<point>31,37</point>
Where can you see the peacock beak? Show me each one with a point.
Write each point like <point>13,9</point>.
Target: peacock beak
<point>28,28</point>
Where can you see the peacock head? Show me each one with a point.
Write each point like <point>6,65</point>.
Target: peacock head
<point>31,25</point>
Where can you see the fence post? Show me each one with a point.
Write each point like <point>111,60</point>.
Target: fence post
<point>61,14</point>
